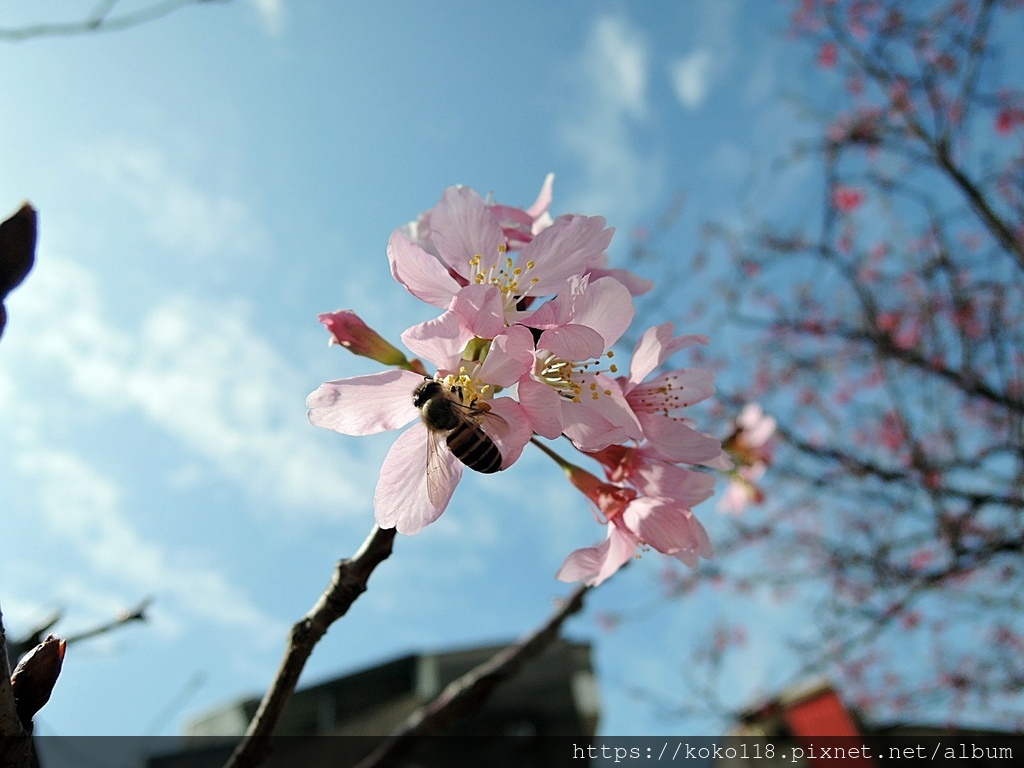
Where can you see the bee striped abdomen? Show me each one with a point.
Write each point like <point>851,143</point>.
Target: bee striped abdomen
<point>474,449</point>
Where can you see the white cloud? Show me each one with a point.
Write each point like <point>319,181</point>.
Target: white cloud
<point>617,62</point>
<point>610,78</point>
<point>714,50</point>
<point>271,14</point>
<point>179,215</point>
<point>198,372</point>
<point>82,506</point>
<point>690,77</point>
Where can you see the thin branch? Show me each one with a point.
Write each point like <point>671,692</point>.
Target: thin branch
<point>347,584</point>
<point>99,21</point>
<point>138,613</point>
<point>468,692</point>
<point>22,645</point>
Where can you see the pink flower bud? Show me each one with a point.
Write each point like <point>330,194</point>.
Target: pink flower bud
<point>348,330</point>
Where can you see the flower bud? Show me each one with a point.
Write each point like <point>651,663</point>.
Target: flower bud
<point>610,499</point>
<point>34,678</point>
<point>348,330</point>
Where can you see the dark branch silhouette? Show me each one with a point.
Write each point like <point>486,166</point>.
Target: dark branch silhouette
<point>347,584</point>
<point>470,691</point>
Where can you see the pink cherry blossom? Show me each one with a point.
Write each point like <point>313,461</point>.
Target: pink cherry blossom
<point>663,524</point>
<point>642,469</point>
<point>470,248</point>
<point>658,403</point>
<point>518,225</point>
<point>750,448</point>
<point>567,392</point>
<point>846,199</point>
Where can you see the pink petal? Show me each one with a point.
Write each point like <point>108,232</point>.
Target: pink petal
<point>365,405</point>
<point>401,498</point>
<point>595,423</point>
<point>636,285</point>
<point>675,441</point>
<point>573,342</point>
<point>702,549</point>
<point>659,478</point>
<point>511,442</point>
<point>481,309</point>
<point>720,462</point>
<point>422,275</point>
<point>672,390</point>
<point>655,347</point>
<point>566,248</point>
<point>543,407</point>
<point>462,227</point>
<point>757,427</point>
<point>606,306</point>
<point>543,201</point>
<point>592,565</point>
<point>510,358</point>
<point>441,340</point>
<point>589,429</point>
<point>735,498</point>
<point>664,524</point>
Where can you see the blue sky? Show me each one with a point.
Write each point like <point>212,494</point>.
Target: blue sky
<point>209,182</point>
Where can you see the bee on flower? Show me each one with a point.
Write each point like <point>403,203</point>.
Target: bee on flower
<point>530,312</point>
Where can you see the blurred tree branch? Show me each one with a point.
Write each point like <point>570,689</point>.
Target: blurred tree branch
<point>883,328</point>
<point>347,584</point>
<point>20,646</point>
<point>101,19</point>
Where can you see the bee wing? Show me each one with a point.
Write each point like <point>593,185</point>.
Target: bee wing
<point>441,469</point>
<point>494,425</point>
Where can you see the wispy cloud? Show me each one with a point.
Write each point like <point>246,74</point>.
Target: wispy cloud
<point>620,177</point>
<point>694,74</point>
<point>690,77</point>
<point>82,506</point>
<point>178,213</point>
<point>271,14</point>
<point>196,370</point>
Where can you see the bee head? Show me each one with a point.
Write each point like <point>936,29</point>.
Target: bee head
<point>425,392</point>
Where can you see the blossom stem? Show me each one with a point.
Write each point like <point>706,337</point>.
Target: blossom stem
<point>567,466</point>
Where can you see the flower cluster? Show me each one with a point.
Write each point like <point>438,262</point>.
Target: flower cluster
<point>530,312</point>
<point>750,449</point>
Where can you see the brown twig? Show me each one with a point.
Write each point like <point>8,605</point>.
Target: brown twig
<point>18,647</point>
<point>347,584</point>
<point>15,743</point>
<point>472,689</point>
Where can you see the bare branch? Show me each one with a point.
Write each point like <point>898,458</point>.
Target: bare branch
<point>100,20</point>
<point>470,691</point>
<point>347,584</point>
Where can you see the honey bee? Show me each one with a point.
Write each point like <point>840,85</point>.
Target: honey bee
<point>446,415</point>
